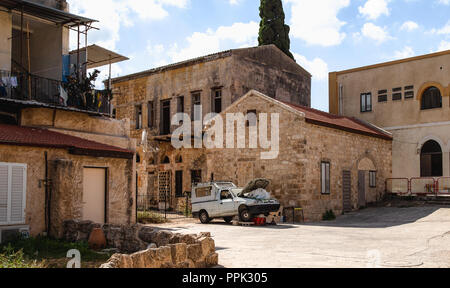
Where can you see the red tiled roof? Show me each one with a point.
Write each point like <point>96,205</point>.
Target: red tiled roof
<point>349,124</point>
<point>37,137</point>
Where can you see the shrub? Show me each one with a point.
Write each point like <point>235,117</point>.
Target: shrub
<point>16,259</point>
<point>329,216</point>
<point>149,217</point>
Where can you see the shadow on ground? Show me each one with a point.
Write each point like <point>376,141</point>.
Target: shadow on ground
<point>380,217</point>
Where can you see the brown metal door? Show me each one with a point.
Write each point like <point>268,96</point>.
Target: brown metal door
<point>347,191</point>
<point>362,188</point>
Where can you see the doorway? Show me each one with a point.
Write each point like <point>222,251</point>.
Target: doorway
<point>431,160</point>
<point>165,117</point>
<point>94,195</point>
<point>178,184</point>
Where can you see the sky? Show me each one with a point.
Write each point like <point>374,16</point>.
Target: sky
<point>326,35</point>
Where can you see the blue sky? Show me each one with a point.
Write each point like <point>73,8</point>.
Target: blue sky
<point>326,35</point>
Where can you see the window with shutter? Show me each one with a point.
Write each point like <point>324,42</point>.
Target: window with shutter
<point>12,193</point>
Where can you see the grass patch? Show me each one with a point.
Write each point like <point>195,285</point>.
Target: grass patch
<point>149,217</point>
<point>40,251</point>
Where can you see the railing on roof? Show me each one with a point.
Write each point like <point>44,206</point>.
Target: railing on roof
<point>28,87</point>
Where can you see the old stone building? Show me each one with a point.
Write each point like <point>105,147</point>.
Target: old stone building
<point>410,99</point>
<point>324,161</point>
<point>150,99</point>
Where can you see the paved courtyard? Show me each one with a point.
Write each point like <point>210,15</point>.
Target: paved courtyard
<point>398,237</point>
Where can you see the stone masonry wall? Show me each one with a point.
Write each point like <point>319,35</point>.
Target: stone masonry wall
<point>150,247</point>
<point>295,174</point>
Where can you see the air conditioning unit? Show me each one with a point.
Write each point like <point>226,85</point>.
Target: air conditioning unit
<point>12,232</point>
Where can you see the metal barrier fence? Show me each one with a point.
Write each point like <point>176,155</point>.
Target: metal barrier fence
<point>436,186</point>
<point>150,208</point>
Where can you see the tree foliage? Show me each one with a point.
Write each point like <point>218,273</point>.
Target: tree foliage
<point>272,29</point>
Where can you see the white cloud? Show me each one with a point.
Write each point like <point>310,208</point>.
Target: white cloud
<point>445,2</point>
<point>444,45</point>
<point>374,32</point>
<point>374,9</point>
<point>112,14</point>
<point>316,22</point>
<point>409,26</point>
<point>212,41</point>
<point>443,31</point>
<point>234,2</point>
<point>317,67</point>
<point>406,52</point>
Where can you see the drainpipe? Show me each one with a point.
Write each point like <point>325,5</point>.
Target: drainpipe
<point>48,196</point>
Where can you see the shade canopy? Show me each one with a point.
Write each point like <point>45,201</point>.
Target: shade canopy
<point>99,56</point>
<point>47,13</point>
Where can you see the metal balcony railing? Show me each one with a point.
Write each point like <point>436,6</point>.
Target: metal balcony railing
<point>27,87</point>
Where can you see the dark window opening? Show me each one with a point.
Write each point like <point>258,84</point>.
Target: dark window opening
<point>165,160</point>
<point>139,117</point>
<point>397,96</point>
<point>366,102</point>
<point>325,177</point>
<point>179,159</point>
<point>431,160</point>
<point>216,101</point>
<point>431,98</point>
<point>409,94</point>
<point>382,98</point>
<point>178,184</point>
<point>151,114</point>
<point>165,117</point>
<point>114,113</point>
<point>138,158</point>
<point>196,176</point>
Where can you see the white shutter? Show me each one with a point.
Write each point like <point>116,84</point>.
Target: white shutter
<point>12,193</point>
<point>17,194</point>
<point>4,193</point>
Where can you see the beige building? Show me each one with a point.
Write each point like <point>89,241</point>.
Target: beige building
<point>62,155</point>
<point>410,99</point>
<point>150,99</point>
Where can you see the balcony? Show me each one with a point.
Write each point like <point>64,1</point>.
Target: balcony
<point>31,89</point>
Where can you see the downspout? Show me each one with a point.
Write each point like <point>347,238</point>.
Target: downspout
<point>48,196</point>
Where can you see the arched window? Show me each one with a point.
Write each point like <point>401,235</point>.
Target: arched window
<point>431,98</point>
<point>431,160</point>
<point>179,159</point>
<point>165,160</point>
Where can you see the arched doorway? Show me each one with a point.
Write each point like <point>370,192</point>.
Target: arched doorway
<point>366,175</point>
<point>431,160</point>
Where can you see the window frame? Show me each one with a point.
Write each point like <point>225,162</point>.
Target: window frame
<point>364,107</point>
<point>216,94</point>
<point>151,114</point>
<point>324,181</point>
<point>194,103</point>
<point>10,166</point>
<point>423,107</point>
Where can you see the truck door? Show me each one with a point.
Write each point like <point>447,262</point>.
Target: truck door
<point>226,204</point>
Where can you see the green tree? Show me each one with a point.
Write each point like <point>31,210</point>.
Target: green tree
<point>272,29</point>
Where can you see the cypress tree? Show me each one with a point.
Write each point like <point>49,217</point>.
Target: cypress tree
<point>272,29</point>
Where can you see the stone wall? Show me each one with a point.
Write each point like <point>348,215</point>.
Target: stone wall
<point>66,172</point>
<point>295,173</point>
<point>168,250</point>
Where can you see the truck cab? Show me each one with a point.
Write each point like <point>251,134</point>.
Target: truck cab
<point>224,200</point>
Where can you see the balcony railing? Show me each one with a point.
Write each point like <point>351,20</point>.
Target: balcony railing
<point>28,87</point>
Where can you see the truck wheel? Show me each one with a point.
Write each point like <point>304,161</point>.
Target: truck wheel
<point>228,219</point>
<point>204,217</point>
<point>245,215</point>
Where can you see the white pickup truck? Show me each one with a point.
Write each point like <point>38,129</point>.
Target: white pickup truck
<point>225,200</point>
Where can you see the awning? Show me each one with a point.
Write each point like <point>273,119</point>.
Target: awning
<point>99,56</point>
<point>47,13</point>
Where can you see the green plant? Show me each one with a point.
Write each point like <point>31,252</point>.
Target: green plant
<point>149,217</point>
<point>80,91</point>
<point>329,216</point>
<point>9,258</point>
<point>272,29</point>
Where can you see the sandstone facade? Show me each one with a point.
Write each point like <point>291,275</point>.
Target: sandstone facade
<point>234,72</point>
